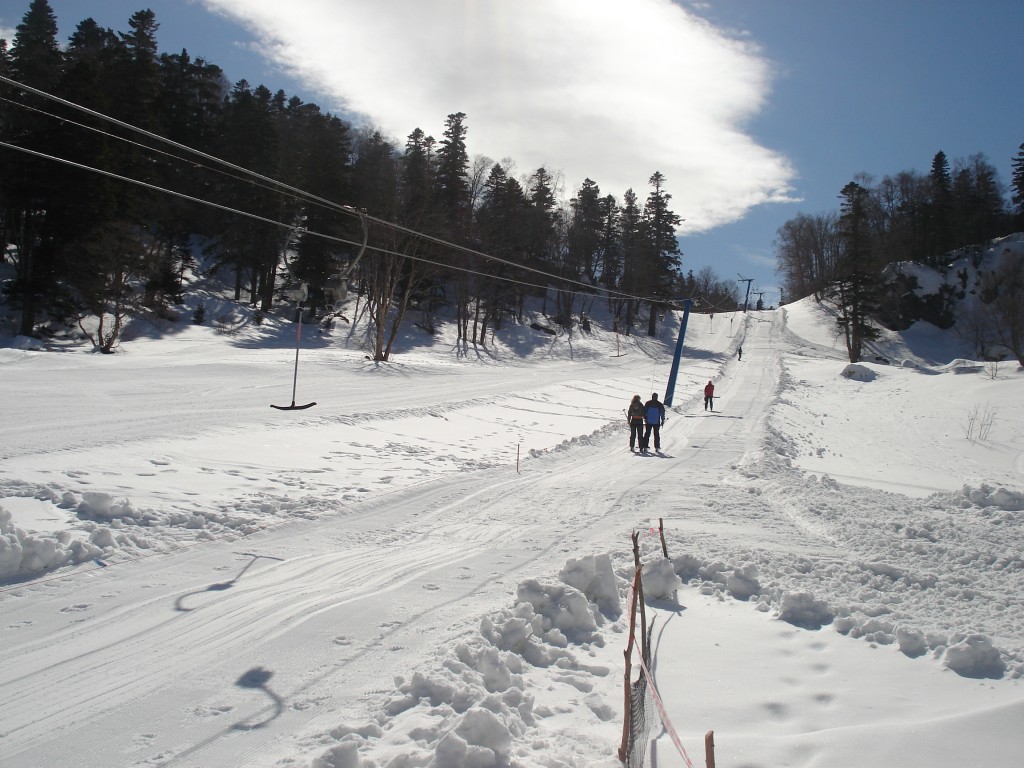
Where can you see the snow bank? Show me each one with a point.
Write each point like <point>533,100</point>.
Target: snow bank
<point>858,372</point>
<point>974,656</point>
<point>475,706</point>
<point>24,554</point>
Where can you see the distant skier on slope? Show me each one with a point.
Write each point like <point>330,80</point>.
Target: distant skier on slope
<point>709,396</point>
<point>654,415</point>
<point>635,419</point>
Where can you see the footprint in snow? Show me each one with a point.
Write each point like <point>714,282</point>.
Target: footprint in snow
<point>76,608</point>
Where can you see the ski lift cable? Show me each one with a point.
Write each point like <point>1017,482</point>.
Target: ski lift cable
<point>149,134</point>
<point>363,246</point>
<point>281,186</point>
<point>299,195</point>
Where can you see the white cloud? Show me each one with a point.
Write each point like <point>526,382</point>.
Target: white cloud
<point>612,90</point>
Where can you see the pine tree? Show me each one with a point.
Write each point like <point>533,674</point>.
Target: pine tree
<point>585,227</point>
<point>855,291</point>
<point>249,138</point>
<point>609,246</point>
<point>502,231</point>
<point>939,209</point>
<point>540,222</point>
<point>1017,186</point>
<point>452,182</point>
<point>633,254</point>
<point>417,180</point>
<point>661,258</point>
<point>28,184</point>
<point>979,211</point>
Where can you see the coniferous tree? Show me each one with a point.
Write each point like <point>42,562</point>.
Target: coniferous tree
<point>978,202</point>
<point>854,291</point>
<point>585,226</point>
<point>940,208</point>
<point>323,170</point>
<point>633,255</point>
<point>417,177</point>
<point>609,246</point>
<point>540,221</point>
<point>248,138</point>
<point>451,182</point>
<point>661,258</point>
<point>451,191</point>
<point>138,81</point>
<point>502,231</point>
<point>5,232</point>
<point>29,184</point>
<point>1017,186</point>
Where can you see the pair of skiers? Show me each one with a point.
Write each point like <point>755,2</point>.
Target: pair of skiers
<point>645,419</point>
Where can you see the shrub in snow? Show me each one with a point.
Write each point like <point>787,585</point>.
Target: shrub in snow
<point>659,579</point>
<point>974,656</point>
<point>803,610</point>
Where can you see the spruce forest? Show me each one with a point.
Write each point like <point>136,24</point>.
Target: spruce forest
<point>124,171</point>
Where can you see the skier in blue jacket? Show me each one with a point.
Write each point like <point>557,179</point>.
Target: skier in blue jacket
<point>654,417</point>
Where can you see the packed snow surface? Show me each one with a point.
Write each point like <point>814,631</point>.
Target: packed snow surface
<point>432,566</point>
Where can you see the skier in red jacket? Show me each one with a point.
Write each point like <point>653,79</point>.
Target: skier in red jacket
<point>709,397</point>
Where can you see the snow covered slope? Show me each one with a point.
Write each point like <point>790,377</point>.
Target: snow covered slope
<point>430,566</point>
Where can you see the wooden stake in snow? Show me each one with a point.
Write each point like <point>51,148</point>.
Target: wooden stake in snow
<point>627,706</point>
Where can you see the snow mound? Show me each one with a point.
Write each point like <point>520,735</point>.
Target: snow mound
<point>858,372</point>
<point>802,609</point>
<point>25,554</point>
<point>987,496</point>
<point>974,656</point>
<point>474,707</point>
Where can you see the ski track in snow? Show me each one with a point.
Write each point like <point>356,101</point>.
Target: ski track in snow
<point>285,599</point>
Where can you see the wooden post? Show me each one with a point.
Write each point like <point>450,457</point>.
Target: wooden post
<point>661,530</point>
<point>627,678</point>
<point>639,590</point>
<point>709,749</point>
<point>517,458</point>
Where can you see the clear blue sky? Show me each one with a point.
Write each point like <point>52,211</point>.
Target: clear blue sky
<point>875,86</point>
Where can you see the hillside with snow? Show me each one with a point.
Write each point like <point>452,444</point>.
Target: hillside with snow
<point>430,567</point>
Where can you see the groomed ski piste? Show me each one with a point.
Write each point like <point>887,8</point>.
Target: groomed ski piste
<point>430,566</point>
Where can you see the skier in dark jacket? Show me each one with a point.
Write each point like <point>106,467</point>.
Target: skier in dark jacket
<point>654,416</point>
<point>635,418</point>
<point>709,397</point>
